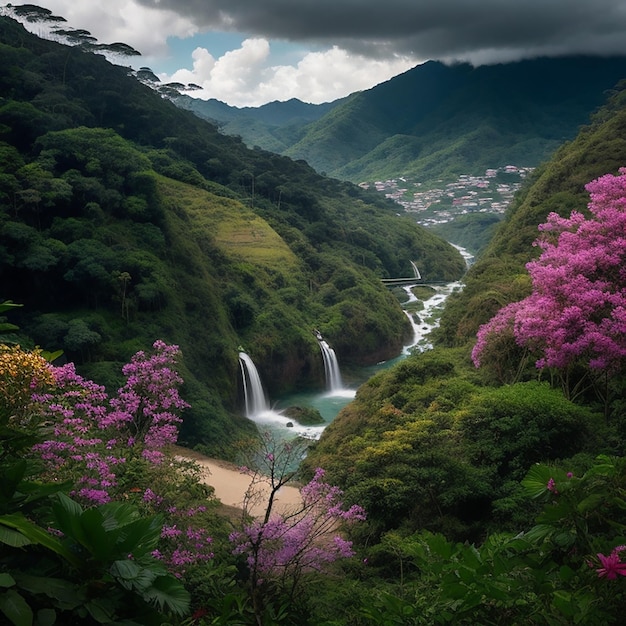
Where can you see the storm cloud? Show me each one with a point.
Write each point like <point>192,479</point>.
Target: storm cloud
<point>479,31</point>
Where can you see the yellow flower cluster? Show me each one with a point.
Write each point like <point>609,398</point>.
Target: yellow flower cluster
<point>22,372</point>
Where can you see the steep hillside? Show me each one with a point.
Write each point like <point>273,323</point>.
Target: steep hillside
<point>435,442</point>
<point>437,121</point>
<point>124,219</point>
<point>499,276</point>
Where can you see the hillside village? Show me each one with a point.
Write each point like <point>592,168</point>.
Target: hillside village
<point>489,193</point>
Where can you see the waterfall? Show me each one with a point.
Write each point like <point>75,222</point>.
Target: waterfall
<point>331,365</point>
<point>256,401</point>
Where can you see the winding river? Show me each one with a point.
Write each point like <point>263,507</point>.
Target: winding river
<point>330,402</point>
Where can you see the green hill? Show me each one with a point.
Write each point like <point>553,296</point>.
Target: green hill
<point>124,219</point>
<point>274,126</point>
<point>438,121</point>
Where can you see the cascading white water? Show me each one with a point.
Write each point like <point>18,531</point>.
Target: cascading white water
<point>331,366</point>
<point>254,394</point>
<point>258,408</point>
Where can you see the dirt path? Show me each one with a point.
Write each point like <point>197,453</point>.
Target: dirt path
<point>230,484</point>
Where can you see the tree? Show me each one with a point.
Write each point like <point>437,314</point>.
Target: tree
<point>92,435</point>
<point>576,313</point>
<point>31,13</point>
<point>281,548</point>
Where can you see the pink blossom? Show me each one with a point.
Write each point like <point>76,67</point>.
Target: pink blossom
<point>577,308</point>
<point>301,540</point>
<point>612,565</point>
<point>86,425</point>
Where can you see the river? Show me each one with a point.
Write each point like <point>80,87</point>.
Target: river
<point>424,318</point>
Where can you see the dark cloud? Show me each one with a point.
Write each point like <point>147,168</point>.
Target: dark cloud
<point>478,30</point>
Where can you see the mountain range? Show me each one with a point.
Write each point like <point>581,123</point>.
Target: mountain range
<point>433,121</point>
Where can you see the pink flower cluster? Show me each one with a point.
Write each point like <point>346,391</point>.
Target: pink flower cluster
<point>577,308</point>
<point>184,543</point>
<point>303,540</point>
<point>92,434</point>
<point>611,566</point>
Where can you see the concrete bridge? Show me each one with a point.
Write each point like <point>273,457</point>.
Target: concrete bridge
<point>393,282</point>
<point>416,279</point>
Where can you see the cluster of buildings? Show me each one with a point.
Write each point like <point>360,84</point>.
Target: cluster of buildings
<point>489,193</point>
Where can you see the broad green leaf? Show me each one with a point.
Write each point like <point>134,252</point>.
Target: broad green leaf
<point>6,580</point>
<point>66,594</point>
<point>101,610</point>
<point>132,576</point>
<point>117,514</point>
<point>140,537</point>
<point>536,480</point>
<point>168,593</point>
<point>36,534</point>
<point>11,478</point>
<point>51,356</point>
<point>46,617</point>
<point>16,608</point>
<point>591,502</point>
<point>67,513</point>
<point>13,538</point>
<point>99,543</point>
<point>563,602</point>
<point>7,305</point>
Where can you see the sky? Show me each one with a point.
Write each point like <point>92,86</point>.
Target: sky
<point>250,52</point>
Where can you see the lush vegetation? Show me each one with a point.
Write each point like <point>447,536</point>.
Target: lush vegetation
<point>444,455</point>
<point>124,219</point>
<point>101,524</point>
<point>449,494</point>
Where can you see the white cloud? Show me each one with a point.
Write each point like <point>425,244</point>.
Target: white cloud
<point>244,77</point>
<point>145,29</point>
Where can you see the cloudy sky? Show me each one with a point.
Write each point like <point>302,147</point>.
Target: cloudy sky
<point>249,52</point>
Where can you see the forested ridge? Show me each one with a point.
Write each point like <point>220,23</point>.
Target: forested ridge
<point>480,482</point>
<point>435,121</point>
<point>125,219</point>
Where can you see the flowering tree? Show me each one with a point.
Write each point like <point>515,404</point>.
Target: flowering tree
<point>576,312</point>
<point>281,547</point>
<point>92,434</point>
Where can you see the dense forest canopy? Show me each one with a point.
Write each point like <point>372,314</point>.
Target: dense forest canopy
<point>125,219</point>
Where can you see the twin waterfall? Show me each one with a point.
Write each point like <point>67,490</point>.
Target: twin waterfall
<point>254,395</point>
<point>257,407</point>
<point>329,402</point>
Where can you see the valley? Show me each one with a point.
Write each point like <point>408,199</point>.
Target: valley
<point>457,445</point>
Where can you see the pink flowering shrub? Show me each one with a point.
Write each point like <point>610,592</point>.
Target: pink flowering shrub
<point>302,540</point>
<point>91,435</point>
<point>577,309</point>
<point>183,543</point>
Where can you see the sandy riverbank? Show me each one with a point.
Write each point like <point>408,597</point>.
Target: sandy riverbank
<point>230,484</point>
